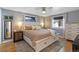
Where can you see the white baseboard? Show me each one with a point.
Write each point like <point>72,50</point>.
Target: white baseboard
<point>9,40</point>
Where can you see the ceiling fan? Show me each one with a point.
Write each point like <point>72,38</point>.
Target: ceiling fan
<point>43,10</point>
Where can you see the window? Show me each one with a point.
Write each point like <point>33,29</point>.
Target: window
<point>57,22</point>
<point>30,19</point>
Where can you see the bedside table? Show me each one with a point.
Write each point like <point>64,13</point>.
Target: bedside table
<point>18,36</point>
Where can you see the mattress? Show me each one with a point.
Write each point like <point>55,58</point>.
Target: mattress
<point>35,35</point>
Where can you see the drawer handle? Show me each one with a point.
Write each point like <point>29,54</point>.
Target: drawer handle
<point>45,42</point>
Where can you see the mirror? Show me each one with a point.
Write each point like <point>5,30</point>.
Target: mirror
<point>7,29</point>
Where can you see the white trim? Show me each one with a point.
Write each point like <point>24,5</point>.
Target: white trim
<point>0,27</point>
<point>8,40</point>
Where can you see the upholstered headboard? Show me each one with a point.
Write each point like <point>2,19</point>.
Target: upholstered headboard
<point>32,27</point>
<point>27,27</point>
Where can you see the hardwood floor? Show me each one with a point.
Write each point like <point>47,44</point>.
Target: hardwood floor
<point>68,46</point>
<point>10,47</point>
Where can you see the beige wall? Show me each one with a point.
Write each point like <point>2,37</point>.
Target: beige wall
<point>41,19</point>
<point>46,20</point>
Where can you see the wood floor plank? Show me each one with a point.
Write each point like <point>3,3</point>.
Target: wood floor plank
<point>68,46</point>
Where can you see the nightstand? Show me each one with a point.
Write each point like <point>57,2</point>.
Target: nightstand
<point>75,45</point>
<point>18,36</point>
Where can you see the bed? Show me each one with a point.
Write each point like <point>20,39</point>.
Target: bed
<point>38,39</point>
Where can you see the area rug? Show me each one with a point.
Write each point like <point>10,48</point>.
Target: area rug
<point>22,46</point>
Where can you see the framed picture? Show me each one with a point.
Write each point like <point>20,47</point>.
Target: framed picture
<point>30,19</point>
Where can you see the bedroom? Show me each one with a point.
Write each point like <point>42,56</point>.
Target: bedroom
<point>47,28</point>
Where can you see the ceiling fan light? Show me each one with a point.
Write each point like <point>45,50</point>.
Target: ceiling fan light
<point>43,11</point>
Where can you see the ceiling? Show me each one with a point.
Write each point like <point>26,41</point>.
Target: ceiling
<point>38,10</point>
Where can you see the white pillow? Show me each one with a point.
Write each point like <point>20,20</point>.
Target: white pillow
<point>38,27</point>
<point>52,32</point>
<point>33,27</point>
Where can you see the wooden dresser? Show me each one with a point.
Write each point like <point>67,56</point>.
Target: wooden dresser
<point>18,36</point>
